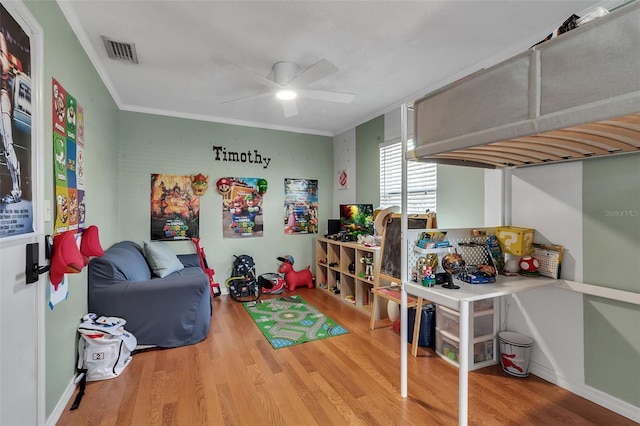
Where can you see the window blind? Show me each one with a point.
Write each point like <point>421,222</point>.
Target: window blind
<point>421,180</point>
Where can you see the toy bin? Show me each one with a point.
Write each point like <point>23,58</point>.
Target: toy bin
<point>426,338</point>
<point>515,240</point>
<point>482,305</point>
<point>515,351</point>
<point>483,325</point>
<point>483,351</point>
<point>448,320</point>
<point>446,347</point>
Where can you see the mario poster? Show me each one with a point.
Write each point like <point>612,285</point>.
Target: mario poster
<point>300,206</point>
<point>242,206</point>
<point>68,161</point>
<point>175,210</point>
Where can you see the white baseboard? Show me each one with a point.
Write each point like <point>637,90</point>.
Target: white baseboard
<point>587,392</point>
<point>62,404</point>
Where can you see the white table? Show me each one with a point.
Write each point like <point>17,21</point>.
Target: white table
<point>460,300</point>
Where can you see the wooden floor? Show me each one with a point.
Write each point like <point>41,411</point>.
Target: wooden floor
<point>234,377</point>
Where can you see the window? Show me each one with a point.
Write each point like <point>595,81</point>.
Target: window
<point>421,180</point>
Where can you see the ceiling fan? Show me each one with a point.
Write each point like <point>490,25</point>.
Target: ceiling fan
<point>289,84</point>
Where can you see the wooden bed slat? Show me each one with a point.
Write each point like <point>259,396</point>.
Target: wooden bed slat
<point>495,159</point>
<point>481,150</point>
<point>451,156</point>
<point>581,148</point>
<point>628,137</point>
<point>540,150</point>
<point>590,139</point>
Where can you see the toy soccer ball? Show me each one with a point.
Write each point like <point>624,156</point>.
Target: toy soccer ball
<point>529,264</point>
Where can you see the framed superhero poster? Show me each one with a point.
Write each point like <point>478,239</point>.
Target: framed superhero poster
<point>175,210</point>
<point>16,177</point>
<point>242,206</point>
<point>300,206</point>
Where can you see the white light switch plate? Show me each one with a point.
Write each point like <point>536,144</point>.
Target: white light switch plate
<point>47,210</point>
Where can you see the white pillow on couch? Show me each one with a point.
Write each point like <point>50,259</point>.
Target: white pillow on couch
<point>162,260</point>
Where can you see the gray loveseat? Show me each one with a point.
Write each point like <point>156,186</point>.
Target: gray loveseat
<point>166,312</point>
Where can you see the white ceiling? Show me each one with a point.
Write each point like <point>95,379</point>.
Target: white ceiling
<point>387,52</point>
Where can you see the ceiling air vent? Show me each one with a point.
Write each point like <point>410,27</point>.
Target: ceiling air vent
<point>123,52</point>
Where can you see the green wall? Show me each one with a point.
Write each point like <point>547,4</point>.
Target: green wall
<point>156,144</point>
<point>368,136</point>
<point>460,192</point>
<point>611,236</point>
<point>65,60</point>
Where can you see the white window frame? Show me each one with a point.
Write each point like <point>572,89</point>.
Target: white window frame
<point>421,179</point>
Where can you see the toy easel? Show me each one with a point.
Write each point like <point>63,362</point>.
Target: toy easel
<point>432,220</point>
<point>389,250</point>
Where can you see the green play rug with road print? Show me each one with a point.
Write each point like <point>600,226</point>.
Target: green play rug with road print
<point>289,321</point>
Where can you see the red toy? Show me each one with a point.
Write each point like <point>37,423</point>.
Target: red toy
<point>529,264</point>
<point>294,279</point>
<point>214,287</point>
<point>66,258</point>
<point>271,283</point>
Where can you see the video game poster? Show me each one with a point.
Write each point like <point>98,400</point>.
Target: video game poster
<point>175,210</point>
<point>300,206</point>
<point>16,177</point>
<point>68,159</point>
<point>242,206</point>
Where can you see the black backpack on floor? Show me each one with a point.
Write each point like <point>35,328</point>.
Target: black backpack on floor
<point>243,284</point>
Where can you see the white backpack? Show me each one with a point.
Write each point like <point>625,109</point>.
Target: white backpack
<point>104,350</point>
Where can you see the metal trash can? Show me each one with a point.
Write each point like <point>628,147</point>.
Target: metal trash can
<point>515,352</point>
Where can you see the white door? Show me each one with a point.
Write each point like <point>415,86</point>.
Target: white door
<point>22,305</point>
<point>20,314</point>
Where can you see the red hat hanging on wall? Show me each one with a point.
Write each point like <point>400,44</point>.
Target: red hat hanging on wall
<point>90,244</point>
<point>66,258</point>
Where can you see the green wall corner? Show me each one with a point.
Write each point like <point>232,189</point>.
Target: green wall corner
<point>368,138</point>
<point>611,235</point>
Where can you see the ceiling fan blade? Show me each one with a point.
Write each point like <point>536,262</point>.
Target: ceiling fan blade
<point>290,108</point>
<point>323,95</point>
<point>315,72</point>
<point>255,77</point>
<point>244,98</point>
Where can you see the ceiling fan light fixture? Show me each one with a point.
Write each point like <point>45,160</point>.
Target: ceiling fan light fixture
<point>286,95</point>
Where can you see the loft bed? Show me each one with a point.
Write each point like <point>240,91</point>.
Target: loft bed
<point>573,97</point>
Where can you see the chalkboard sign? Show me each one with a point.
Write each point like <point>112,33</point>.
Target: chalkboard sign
<point>391,257</point>
<point>391,250</point>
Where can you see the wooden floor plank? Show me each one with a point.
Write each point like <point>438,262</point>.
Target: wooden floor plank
<point>235,377</point>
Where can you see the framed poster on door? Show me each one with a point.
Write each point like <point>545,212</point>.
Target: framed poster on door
<point>17,177</point>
